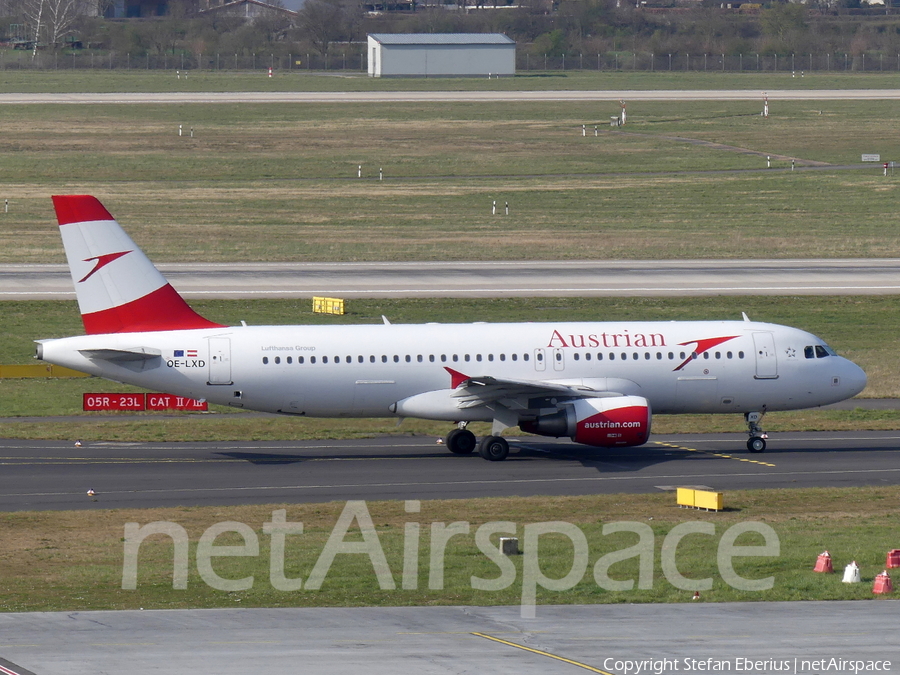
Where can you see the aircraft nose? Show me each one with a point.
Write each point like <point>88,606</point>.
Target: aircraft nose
<point>853,379</point>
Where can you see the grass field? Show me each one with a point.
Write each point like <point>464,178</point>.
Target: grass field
<point>66,561</point>
<point>279,182</point>
<point>353,79</point>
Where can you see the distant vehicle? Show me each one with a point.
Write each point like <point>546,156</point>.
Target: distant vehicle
<point>594,382</point>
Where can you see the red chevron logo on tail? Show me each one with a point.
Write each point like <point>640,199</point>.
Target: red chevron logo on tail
<point>102,261</point>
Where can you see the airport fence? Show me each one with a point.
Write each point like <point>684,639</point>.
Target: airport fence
<point>354,59</point>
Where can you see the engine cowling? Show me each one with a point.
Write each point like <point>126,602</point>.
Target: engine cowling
<point>605,422</point>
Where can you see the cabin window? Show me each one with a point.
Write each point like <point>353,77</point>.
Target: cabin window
<point>706,355</point>
<point>612,357</point>
<point>490,357</point>
<point>265,360</point>
<point>371,358</point>
<point>312,359</point>
<point>396,358</point>
<point>646,356</point>
<point>599,356</point>
<point>575,356</point>
<point>478,357</point>
<point>728,355</point>
<point>455,358</point>
<point>503,357</point>
<point>289,360</point>
<point>443,358</point>
<point>740,355</point>
<point>466,358</point>
<point>337,359</point>
<point>277,360</point>
<point>431,358</point>
<point>515,357</point>
<point>300,359</point>
<point>419,358</point>
<point>525,357</point>
<point>408,358</point>
<point>587,357</point>
<point>324,359</point>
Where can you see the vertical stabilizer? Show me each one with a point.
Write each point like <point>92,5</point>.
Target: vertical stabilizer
<point>118,288</point>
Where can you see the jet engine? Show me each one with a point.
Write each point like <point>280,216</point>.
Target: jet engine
<point>603,422</point>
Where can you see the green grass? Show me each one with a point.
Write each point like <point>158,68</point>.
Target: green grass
<point>62,561</point>
<point>138,80</point>
<point>279,182</point>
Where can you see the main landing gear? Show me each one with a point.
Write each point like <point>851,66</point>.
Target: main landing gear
<point>757,440</point>
<point>461,441</point>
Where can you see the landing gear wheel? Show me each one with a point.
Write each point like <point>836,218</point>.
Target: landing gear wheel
<point>756,444</point>
<point>493,448</point>
<point>460,441</point>
<point>757,441</point>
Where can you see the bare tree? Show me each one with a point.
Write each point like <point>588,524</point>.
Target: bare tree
<point>53,18</point>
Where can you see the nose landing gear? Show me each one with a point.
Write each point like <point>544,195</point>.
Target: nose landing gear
<point>757,441</point>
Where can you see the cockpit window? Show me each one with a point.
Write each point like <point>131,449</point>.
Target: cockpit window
<point>818,351</point>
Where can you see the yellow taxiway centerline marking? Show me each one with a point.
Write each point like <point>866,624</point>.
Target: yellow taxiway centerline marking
<point>713,454</point>
<point>543,653</point>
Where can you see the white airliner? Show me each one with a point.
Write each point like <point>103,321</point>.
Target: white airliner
<point>594,382</point>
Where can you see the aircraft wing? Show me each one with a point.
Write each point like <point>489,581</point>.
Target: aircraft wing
<point>515,394</point>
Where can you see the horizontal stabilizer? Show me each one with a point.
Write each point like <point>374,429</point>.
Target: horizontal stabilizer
<point>131,354</point>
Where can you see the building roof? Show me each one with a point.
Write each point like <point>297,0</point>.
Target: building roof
<point>442,39</point>
<point>247,8</point>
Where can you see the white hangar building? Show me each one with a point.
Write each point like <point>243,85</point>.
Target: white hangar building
<point>441,55</point>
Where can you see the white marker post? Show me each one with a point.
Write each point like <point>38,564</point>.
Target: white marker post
<point>622,118</point>
<point>765,105</point>
<point>381,173</point>
<point>768,161</point>
<point>179,130</point>
<point>192,132</point>
<point>494,208</point>
<point>359,171</point>
<point>507,203</point>
<point>583,131</point>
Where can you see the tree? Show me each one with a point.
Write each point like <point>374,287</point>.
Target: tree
<point>53,18</point>
<point>327,21</point>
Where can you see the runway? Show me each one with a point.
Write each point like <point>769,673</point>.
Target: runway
<point>182,97</point>
<point>616,278</point>
<point>757,638</point>
<point>45,475</point>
